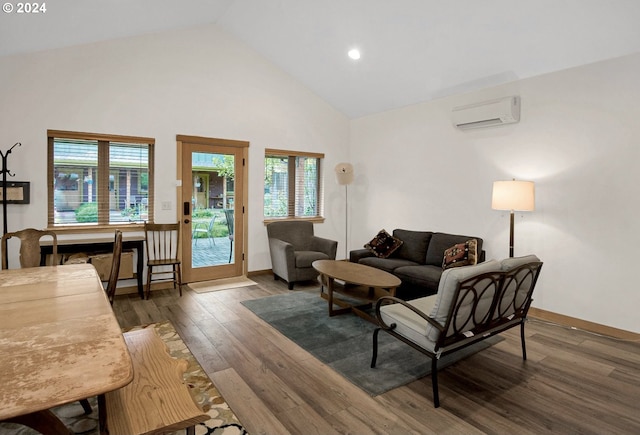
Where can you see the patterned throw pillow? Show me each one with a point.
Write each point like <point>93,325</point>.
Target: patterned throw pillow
<point>461,254</point>
<point>383,244</point>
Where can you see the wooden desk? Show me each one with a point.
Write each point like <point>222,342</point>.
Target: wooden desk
<point>59,339</point>
<point>70,246</point>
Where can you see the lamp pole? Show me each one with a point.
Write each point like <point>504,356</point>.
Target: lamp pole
<point>511,224</point>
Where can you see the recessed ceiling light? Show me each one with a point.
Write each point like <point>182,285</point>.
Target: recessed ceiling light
<point>354,54</point>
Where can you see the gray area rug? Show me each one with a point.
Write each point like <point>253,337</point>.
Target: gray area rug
<point>344,342</point>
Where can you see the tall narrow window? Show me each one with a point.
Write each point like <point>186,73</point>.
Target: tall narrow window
<point>293,184</point>
<point>97,179</point>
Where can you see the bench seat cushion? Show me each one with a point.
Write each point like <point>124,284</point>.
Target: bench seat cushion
<point>408,323</point>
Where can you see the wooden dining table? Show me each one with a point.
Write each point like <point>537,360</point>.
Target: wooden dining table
<point>59,342</point>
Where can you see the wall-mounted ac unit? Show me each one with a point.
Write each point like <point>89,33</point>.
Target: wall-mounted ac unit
<point>488,113</point>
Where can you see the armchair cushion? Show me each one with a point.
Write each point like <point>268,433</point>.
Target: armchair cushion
<point>306,258</point>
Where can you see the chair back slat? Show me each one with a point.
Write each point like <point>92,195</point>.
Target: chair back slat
<point>163,241</point>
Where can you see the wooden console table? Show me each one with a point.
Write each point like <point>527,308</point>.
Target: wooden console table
<point>70,246</point>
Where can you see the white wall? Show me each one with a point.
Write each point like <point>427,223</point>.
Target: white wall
<point>579,140</point>
<point>196,82</point>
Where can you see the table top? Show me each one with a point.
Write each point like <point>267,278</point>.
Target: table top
<point>355,273</point>
<point>59,339</point>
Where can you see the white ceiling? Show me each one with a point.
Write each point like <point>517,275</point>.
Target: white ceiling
<point>412,50</point>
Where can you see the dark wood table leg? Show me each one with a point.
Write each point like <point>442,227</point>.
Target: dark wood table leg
<point>140,267</point>
<point>45,422</point>
<point>102,415</point>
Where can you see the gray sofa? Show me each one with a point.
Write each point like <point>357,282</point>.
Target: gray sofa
<point>418,261</point>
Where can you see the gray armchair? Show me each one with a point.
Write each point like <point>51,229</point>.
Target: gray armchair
<point>293,248</point>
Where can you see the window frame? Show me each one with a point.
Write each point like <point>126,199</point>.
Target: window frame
<point>291,174</point>
<point>104,172</point>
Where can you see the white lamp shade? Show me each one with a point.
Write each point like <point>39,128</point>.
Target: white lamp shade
<point>344,173</point>
<point>513,195</point>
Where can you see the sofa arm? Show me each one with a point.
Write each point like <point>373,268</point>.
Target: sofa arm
<point>282,258</point>
<point>326,246</point>
<point>357,254</point>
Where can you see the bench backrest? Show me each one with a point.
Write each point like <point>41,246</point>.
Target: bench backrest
<point>476,299</point>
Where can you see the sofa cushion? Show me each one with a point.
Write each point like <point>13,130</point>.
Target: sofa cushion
<point>386,264</point>
<point>383,244</point>
<point>421,275</point>
<point>461,254</point>
<point>446,288</point>
<point>414,245</point>
<point>441,241</point>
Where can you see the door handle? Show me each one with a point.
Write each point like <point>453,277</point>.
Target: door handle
<point>186,221</point>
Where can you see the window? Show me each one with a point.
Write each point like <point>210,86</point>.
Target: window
<point>97,179</point>
<point>292,184</point>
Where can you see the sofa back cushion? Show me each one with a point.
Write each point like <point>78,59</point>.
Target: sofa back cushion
<point>414,246</point>
<point>447,287</point>
<point>442,241</point>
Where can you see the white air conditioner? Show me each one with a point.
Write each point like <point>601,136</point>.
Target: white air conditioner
<point>488,113</point>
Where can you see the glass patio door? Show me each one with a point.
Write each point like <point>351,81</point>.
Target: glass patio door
<point>211,207</point>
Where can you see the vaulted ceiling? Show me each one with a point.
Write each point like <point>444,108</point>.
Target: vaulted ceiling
<point>411,50</point>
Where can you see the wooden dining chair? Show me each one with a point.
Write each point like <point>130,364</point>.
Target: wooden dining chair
<point>29,247</point>
<point>115,267</point>
<point>163,248</point>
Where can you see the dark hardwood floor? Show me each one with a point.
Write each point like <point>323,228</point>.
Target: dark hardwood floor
<point>572,382</point>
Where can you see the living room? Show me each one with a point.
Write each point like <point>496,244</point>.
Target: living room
<point>577,140</point>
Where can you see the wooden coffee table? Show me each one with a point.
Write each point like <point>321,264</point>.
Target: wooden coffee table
<point>361,286</point>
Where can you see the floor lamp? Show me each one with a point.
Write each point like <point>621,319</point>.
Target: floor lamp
<point>344,177</point>
<point>513,196</point>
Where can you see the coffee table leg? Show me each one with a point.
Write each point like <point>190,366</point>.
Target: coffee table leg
<point>330,294</point>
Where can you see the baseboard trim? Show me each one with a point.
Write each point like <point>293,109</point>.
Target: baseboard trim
<point>583,324</point>
<point>259,272</point>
